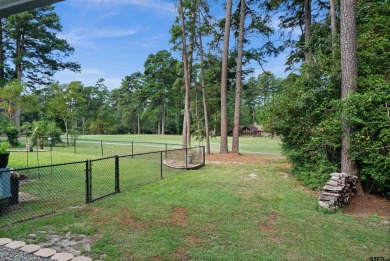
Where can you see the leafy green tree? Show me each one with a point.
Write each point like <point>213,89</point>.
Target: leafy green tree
<point>131,101</point>
<point>368,108</point>
<point>63,102</point>
<point>105,123</point>
<point>94,99</point>
<point>308,112</point>
<point>160,76</point>
<point>11,98</point>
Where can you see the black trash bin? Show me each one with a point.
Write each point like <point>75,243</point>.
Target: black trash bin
<point>14,199</point>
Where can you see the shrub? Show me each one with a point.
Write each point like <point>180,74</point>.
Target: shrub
<point>12,135</point>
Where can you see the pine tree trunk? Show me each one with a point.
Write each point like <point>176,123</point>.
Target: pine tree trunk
<point>18,74</point>
<point>224,79</point>
<point>348,45</point>
<point>187,117</point>
<point>237,104</point>
<point>203,82</point>
<point>333,26</point>
<point>2,56</point>
<point>308,50</point>
<point>184,138</point>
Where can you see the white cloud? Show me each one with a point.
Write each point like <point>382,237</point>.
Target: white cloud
<point>84,37</point>
<point>153,4</point>
<point>157,37</point>
<point>91,71</point>
<point>140,44</point>
<point>88,77</point>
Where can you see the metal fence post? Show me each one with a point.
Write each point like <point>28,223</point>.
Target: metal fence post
<point>204,155</point>
<point>36,141</point>
<point>27,151</point>
<point>117,174</point>
<point>101,146</point>
<point>161,164</point>
<point>132,149</point>
<point>87,182</point>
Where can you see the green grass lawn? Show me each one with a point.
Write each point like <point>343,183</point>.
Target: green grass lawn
<point>220,212</point>
<point>244,211</point>
<point>89,147</point>
<point>247,144</point>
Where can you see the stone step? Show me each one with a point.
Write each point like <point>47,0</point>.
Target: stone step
<point>62,257</point>
<point>41,252</point>
<point>4,241</point>
<point>45,252</point>
<point>30,248</point>
<point>15,244</point>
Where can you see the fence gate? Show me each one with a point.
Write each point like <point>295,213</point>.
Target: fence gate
<point>102,178</point>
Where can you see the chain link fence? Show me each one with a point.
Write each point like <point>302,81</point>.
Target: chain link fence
<point>30,192</point>
<point>43,149</point>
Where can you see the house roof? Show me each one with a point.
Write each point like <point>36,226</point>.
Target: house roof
<point>9,7</point>
<point>252,127</point>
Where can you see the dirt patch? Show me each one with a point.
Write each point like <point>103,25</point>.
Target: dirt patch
<point>208,227</point>
<point>246,194</point>
<point>237,158</point>
<point>284,175</point>
<point>368,204</point>
<point>268,227</point>
<point>125,218</point>
<point>181,254</point>
<point>130,222</point>
<point>179,216</point>
<point>193,240</point>
<point>91,211</point>
<point>95,238</point>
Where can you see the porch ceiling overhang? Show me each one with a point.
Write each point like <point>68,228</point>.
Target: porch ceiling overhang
<point>9,7</point>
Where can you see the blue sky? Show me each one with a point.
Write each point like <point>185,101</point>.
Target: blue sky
<point>113,38</point>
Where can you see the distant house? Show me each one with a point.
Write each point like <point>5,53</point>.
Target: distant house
<point>253,130</point>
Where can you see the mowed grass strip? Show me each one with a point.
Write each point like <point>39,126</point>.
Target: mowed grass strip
<point>247,211</point>
<point>91,147</point>
<point>248,144</point>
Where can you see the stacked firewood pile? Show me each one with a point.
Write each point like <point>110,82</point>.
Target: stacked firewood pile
<point>338,191</point>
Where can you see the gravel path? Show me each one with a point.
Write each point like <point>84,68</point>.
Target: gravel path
<point>7,254</point>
